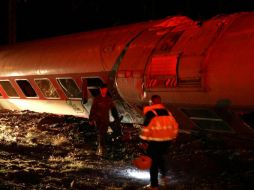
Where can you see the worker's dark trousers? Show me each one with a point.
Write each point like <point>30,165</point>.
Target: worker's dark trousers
<point>157,151</point>
<point>101,133</point>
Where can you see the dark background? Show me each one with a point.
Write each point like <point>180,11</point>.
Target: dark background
<point>24,20</point>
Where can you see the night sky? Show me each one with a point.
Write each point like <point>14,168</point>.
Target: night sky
<point>37,19</point>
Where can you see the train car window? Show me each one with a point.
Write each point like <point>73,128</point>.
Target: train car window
<point>26,88</point>
<point>70,88</point>
<point>94,91</point>
<point>8,88</point>
<point>207,119</point>
<point>94,82</point>
<point>93,85</point>
<point>47,88</point>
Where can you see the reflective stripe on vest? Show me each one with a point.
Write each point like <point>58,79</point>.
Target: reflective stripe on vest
<point>160,128</point>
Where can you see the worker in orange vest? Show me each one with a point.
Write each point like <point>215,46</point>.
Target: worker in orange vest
<point>160,128</point>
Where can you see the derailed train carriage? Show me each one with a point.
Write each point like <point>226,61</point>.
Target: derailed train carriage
<point>202,70</point>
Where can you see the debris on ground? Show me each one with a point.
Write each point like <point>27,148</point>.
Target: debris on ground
<point>46,151</point>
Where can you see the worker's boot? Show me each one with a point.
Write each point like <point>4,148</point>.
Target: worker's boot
<point>148,187</point>
<point>100,149</point>
<point>164,182</point>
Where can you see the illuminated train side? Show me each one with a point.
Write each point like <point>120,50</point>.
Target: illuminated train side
<point>200,69</point>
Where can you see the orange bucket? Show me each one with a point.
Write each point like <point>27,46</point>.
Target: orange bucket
<point>143,162</point>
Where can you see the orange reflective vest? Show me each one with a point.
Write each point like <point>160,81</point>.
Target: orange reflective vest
<point>162,127</point>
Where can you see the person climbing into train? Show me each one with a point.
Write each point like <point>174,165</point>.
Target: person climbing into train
<point>100,117</point>
<point>160,128</point>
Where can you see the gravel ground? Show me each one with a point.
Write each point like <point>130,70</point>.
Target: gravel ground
<point>45,151</point>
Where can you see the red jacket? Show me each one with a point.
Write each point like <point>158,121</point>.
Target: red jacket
<point>101,108</point>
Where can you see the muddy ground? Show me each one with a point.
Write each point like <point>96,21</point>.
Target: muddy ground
<point>45,151</point>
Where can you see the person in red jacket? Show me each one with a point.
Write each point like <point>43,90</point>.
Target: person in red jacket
<point>160,128</point>
<point>99,116</point>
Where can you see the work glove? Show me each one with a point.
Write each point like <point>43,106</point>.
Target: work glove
<point>92,123</point>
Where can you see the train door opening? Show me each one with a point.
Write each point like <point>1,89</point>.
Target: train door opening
<point>92,86</point>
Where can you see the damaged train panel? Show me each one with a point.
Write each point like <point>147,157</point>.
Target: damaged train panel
<point>202,71</point>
